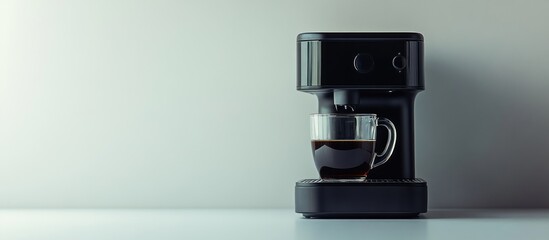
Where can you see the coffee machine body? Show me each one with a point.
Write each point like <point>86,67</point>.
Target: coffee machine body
<point>356,73</point>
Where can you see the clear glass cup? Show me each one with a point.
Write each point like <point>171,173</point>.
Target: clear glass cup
<point>344,144</point>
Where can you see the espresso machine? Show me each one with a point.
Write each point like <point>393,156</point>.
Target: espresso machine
<point>374,72</point>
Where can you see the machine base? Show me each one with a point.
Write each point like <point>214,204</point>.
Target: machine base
<point>372,198</point>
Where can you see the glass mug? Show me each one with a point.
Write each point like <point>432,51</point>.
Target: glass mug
<point>344,144</point>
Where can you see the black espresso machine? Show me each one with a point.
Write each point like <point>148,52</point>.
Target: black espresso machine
<point>371,72</point>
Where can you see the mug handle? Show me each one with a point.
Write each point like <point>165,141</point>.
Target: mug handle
<point>390,145</point>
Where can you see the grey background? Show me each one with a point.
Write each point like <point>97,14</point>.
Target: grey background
<point>193,103</point>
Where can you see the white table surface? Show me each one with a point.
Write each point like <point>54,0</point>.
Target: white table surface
<point>277,224</point>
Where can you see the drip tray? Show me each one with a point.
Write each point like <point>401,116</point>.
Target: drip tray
<point>370,198</point>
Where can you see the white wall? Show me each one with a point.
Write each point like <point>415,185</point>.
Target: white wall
<point>193,103</point>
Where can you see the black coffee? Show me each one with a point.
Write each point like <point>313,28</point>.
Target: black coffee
<point>343,159</point>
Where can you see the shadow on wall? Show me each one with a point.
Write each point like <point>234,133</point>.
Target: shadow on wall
<point>482,137</point>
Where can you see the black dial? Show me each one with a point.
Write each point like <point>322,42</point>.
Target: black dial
<point>399,62</point>
<point>364,62</point>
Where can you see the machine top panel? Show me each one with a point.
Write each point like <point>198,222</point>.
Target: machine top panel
<point>390,61</point>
